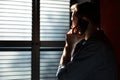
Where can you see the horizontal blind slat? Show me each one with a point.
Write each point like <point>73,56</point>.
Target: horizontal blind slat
<point>8,2</point>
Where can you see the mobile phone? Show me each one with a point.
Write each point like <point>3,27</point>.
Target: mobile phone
<point>82,25</point>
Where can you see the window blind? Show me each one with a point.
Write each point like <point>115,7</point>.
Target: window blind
<point>54,23</point>
<point>15,19</point>
<point>49,61</point>
<point>54,19</point>
<point>15,65</point>
<point>15,25</point>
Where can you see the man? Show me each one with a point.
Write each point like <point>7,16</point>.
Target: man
<point>87,54</point>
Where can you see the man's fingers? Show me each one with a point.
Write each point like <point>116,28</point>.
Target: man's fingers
<point>69,32</point>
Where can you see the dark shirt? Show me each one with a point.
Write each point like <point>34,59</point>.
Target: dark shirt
<point>92,60</point>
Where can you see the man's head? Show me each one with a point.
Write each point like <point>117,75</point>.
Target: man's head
<point>84,13</point>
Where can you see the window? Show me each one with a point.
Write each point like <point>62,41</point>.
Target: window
<point>54,19</point>
<point>15,20</point>
<point>54,23</point>
<point>31,43</point>
<point>15,37</point>
<point>15,65</point>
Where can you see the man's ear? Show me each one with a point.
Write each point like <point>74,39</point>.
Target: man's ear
<point>83,24</point>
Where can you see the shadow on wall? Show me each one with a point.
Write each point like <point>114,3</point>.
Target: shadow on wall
<point>110,22</point>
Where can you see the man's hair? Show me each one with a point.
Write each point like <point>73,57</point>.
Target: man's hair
<point>87,9</point>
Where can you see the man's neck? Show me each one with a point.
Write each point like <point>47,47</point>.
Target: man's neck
<point>90,31</point>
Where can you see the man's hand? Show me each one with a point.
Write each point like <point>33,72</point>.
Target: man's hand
<point>72,38</point>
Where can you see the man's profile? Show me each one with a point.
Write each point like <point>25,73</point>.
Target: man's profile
<point>87,54</point>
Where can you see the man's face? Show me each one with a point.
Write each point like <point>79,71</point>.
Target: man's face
<point>79,24</point>
<point>74,20</point>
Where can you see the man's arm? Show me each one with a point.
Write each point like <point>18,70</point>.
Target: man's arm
<point>71,40</point>
<point>66,56</point>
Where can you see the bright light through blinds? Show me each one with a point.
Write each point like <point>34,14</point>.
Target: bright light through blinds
<point>15,65</point>
<point>54,23</point>
<point>49,61</point>
<point>15,19</point>
<point>54,19</point>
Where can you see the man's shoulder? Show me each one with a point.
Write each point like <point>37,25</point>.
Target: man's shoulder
<point>96,45</point>
<point>95,48</point>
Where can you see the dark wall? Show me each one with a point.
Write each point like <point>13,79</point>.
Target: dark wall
<point>110,22</point>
